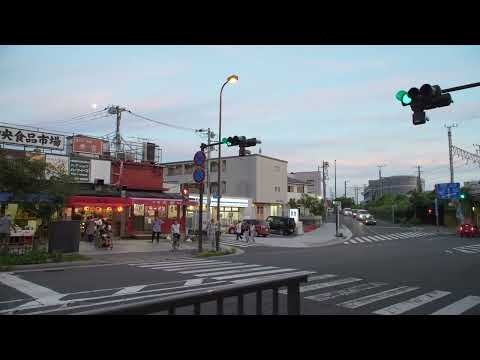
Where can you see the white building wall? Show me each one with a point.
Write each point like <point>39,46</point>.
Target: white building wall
<point>100,169</point>
<point>271,173</point>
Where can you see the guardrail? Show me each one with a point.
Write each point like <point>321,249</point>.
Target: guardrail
<point>171,303</point>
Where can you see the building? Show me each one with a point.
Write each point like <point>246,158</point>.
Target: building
<point>312,180</point>
<point>252,186</point>
<point>295,188</point>
<point>391,185</point>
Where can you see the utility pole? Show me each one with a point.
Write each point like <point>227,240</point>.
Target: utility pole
<point>450,149</point>
<point>345,193</point>
<point>380,178</point>
<point>324,176</point>
<point>318,182</point>
<point>356,188</point>
<point>335,179</point>
<point>117,139</point>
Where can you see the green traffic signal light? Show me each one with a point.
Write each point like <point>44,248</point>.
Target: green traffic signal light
<point>226,142</point>
<point>462,196</point>
<point>403,97</point>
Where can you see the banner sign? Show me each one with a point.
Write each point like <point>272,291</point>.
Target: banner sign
<point>448,190</point>
<point>59,164</point>
<point>10,135</point>
<point>80,170</point>
<point>83,144</point>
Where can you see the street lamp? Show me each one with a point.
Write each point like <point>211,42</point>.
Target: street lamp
<point>232,79</point>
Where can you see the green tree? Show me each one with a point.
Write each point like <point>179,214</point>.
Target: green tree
<point>346,202</point>
<point>292,204</point>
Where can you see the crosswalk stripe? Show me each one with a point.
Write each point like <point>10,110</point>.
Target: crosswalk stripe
<point>371,238</point>
<point>160,263</point>
<point>236,276</point>
<point>193,267</point>
<point>394,236</point>
<point>469,247</point>
<point>324,285</point>
<point>383,237</point>
<point>243,281</point>
<point>237,271</point>
<point>177,264</point>
<point>366,239</point>
<point>353,241</point>
<point>321,277</point>
<point>359,240</point>
<point>459,307</point>
<point>466,251</point>
<point>235,266</point>
<point>377,238</point>
<point>365,300</point>
<point>344,292</point>
<point>413,303</point>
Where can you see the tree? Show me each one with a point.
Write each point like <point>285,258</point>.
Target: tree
<point>346,202</point>
<point>39,188</point>
<point>292,204</point>
<point>313,204</point>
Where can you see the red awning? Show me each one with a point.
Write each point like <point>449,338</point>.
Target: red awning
<point>100,201</point>
<point>159,201</point>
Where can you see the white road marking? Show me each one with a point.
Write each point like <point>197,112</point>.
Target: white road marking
<point>236,266</point>
<point>238,271</point>
<point>324,285</point>
<point>366,239</point>
<point>375,237</point>
<point>460,306</point>
<point>193,282</point>
<point>160,263</point>
<point>243,281</point>
<point>194,267</point>
<point>466,251</point>
<point>413,303</point>
<point>353,241</point>
<point>394,236</point>
<point>344,292</point>
<point>383,237</point>
<point>468,247</point>
<point>130,290</point>
<point>200,262</point>
<point>40,294</point>
<point>227,277</point>
<point>359,240</point>
<point>356,303</point>
<point>346,242</point>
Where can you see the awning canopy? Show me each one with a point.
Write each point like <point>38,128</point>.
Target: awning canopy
<point>105,201</point>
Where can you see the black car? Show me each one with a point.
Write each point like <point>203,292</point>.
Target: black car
<point>369,220</point>
<point>283,224</point>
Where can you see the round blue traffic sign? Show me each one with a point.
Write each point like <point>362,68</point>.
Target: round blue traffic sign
<point>199,158</point>
<point>199,175</point>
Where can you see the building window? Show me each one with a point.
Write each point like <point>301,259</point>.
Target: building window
<point>224,187</point>
<point>188,169</point>
<point>300,189</point>
<point>277,188</point>
<point>213,166</point>
<point>276,168</point>
<point>213,187</point>
<point>259,210</point>
<point>171,171</point>
<point>291,188</point>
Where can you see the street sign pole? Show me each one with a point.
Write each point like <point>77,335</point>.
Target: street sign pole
<point>436,214</point>
<point>200,221</point>
<point>199,177</point>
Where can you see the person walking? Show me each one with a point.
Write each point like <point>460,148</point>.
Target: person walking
<point>238,231</point>
<point>175,235</point>
<point>253,231</point>
<point>6,225</point>
<point>91,228</point>
<point>247,232</point>
<point>156,229</point>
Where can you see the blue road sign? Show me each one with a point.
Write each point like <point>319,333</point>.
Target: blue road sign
<point>199,158</point>
<point>448,190</point>
<point>199,175</point>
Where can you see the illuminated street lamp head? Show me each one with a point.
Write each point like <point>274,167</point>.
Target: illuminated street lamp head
<point>232,79</point>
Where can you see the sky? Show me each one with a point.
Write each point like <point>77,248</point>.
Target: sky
<point>305,103</point>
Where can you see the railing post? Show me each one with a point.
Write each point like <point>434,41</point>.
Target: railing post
<point>259,302</point>
<point>240,305</point>
<point>293,298</point>
<point>220,305</point>
<point>275,301</point>
<point>196,309</point>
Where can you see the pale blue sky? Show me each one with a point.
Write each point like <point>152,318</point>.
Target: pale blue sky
<point>306,103</point>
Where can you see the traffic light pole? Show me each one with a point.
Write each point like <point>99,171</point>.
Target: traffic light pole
<point>436,214</point>
<point>462,87</point>
<point>200,221</point>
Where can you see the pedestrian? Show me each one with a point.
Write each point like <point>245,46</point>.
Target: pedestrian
<point>156,229</point>
<point>91,228</point>
<point>6,225</point>
<point>175,234</point>
<point>238,231</point>
<point>253,231</point>
<point>247,232</point>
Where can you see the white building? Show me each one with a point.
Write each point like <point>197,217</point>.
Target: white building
<point>252,186</point>
<point>295,189</point>
<point>312,179</point>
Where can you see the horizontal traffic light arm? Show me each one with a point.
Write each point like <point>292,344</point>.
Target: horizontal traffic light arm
<point>462,87</point>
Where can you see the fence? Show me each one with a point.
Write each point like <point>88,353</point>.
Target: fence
<point>171,303</point>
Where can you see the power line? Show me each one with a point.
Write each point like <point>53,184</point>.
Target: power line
<point>163,123</point>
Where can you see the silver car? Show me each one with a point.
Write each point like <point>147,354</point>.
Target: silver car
<point>347,212</point>
<point>362,215</point>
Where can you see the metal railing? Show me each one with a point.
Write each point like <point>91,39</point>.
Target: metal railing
<point>218,294</point>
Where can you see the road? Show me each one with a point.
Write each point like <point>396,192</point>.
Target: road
<point>399,271</point>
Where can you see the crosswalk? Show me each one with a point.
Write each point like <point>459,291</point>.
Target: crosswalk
<point>349,293</point>
<point>239,243</point>
<point>467,249</point>
<point>385,237</point>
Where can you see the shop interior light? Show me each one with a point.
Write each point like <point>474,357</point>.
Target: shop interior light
<point>120,208</point>
<point>86,208</point>
<point>99,209</point>
<point>109,208</point>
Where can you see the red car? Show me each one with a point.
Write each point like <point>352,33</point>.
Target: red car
<point>468,230</point>
<point>261,227</point>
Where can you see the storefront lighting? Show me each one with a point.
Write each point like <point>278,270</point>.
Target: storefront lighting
<point>86,208</point>
<point>99,209</point>
<point>120,208</point>
<point>109,208</point>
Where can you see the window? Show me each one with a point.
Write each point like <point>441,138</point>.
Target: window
<point>224,187</point>
<point>188,169</point>
<point>171,170</point>
<point>214,187</point>
<point>277,188</point>
<point>259,210</point>
<point>213,166</point>
<point>300,189</point>
<point>276,168</point>
<point>291,188</point>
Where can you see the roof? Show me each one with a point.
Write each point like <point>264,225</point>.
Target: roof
<point>291,180</point>
<point>223,158</point>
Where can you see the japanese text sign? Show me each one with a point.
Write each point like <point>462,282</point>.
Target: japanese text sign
<point>10,135</point>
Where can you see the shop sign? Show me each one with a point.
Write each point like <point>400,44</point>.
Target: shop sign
<point>58,163</point>
<point>138,210</point>
<point>83,144</point>
<point>10,135</point>
<point>80,170</point>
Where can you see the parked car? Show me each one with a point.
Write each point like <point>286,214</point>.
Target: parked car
<point>261,227</point>
<point>347,212</point>
<point>354,213</point>
<point>369,220</point>
<point>468,230</point>
<point>362,214</point>
<point>283,224</point>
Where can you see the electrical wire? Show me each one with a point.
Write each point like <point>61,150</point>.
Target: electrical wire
<point>163,123</point>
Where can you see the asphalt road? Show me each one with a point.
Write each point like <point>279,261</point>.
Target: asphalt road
<point>399,271</point>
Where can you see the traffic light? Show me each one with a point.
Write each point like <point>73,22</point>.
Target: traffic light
<point>430,211</point>
<point>247,143</point>
<point>185,192</point>
<point>462,196</point>
<point>234,140</point>
<point>426,98</point>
